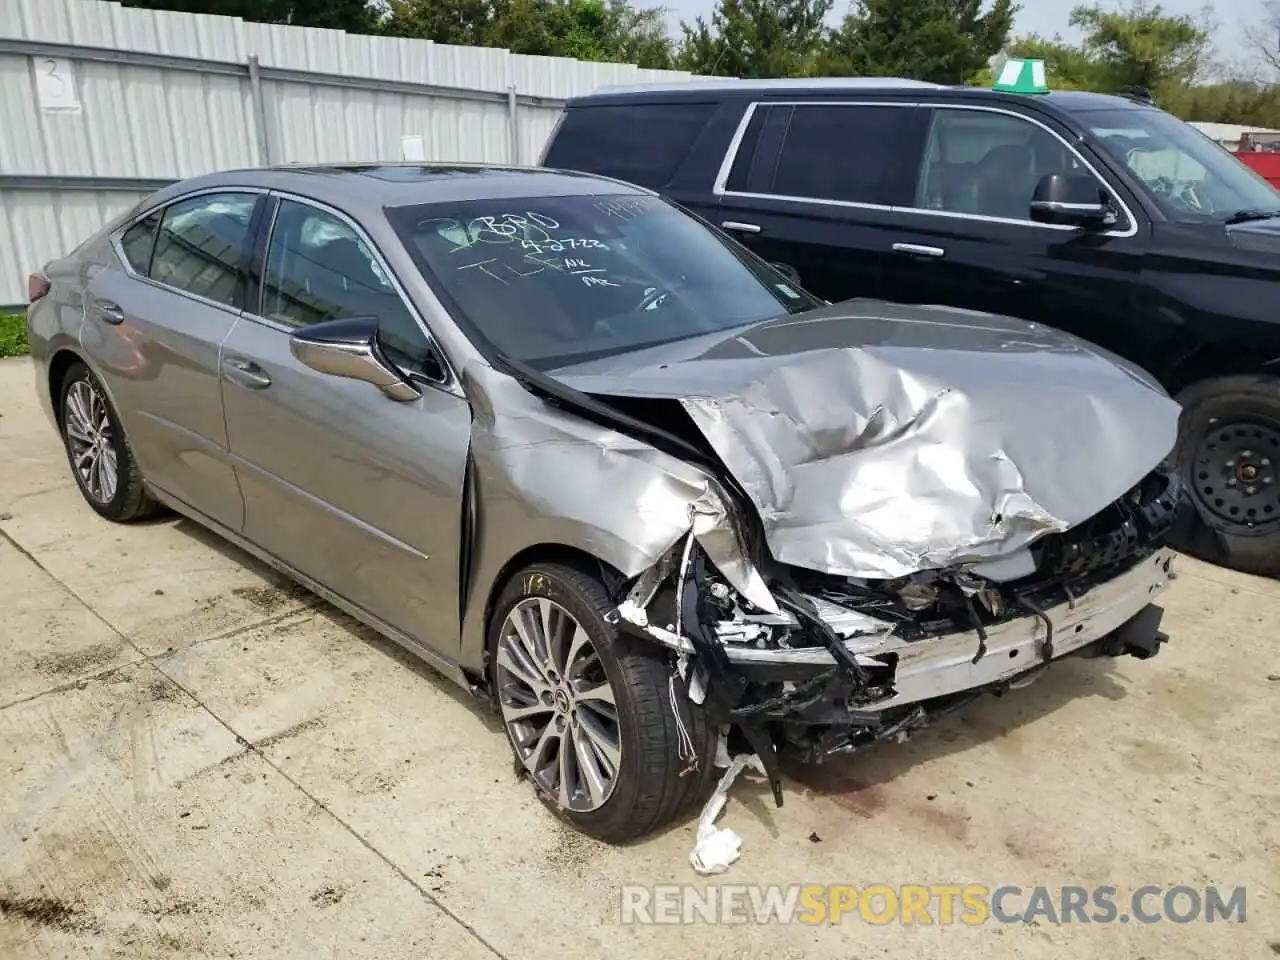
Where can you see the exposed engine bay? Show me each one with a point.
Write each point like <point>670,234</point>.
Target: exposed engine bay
<point>757,673</point>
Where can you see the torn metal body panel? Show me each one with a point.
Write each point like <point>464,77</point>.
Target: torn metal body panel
<point>877,444</point>
<point>945,504</point>
<point>547,476</point>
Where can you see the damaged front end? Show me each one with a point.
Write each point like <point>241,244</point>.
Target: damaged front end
<point>843,662</point>
<point>867,519</point>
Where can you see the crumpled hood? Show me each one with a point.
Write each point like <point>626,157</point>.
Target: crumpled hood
<point>877,440</point>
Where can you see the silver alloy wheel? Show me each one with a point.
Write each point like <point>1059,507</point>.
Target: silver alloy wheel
<point>89,436</point>
<point>558,705</point>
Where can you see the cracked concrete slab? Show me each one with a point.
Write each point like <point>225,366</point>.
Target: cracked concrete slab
<point>282,783</point>
<point>164,583</point>
<point>134,825</point>
<point>48,638</point>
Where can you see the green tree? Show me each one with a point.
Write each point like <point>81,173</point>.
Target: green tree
<point>755,38</point>
<point>600,30</point>
<point>943,41</point>
<point>1140,45</point>
<point>354,16</point>
<point>463,22</point>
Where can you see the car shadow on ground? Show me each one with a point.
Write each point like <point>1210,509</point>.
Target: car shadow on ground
<point>477,705</point>
<point>855,782</point>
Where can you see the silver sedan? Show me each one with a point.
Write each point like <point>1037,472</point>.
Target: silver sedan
<point>592,459</point>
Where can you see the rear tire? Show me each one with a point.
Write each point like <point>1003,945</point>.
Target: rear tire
<point>541,686</point>
<point>97,449</point>
<point>1229,453</point>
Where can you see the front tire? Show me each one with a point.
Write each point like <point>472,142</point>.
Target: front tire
<point>588,711</point>
<point>97,450</point>
<point>1229,453</point>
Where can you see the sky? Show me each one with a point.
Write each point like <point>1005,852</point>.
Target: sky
<point>1048,17</point>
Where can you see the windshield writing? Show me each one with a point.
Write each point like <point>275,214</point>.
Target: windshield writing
<point>554,280</point>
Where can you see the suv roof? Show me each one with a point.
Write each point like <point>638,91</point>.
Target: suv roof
<point>1068,101</point>
<point>734,85</point>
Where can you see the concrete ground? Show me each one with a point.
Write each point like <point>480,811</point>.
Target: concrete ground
<point>197,760</point>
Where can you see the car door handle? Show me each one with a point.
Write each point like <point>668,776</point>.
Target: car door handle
<point>740,227</point>
<point>246,373</point>
<point>109,311</point>
<point>918,250</point>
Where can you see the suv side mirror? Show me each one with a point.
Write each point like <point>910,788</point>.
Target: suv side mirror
<point>1076,201</point>
<point>349,348</point>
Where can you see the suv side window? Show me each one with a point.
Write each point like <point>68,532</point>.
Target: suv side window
<point>641,143</point>
<point>988,164</point>
<point>318,268</point>
<point>202,243</point>
<point>853,153</point>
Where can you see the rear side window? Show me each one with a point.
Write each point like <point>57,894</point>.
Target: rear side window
<point>857,154</point>
<point>138,242</point>
<point>639,143</point>
<point>202,244</point>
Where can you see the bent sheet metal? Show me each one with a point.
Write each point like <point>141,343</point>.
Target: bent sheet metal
<point>877,445</point>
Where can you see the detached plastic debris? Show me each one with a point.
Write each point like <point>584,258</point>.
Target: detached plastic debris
<point>717,848</point>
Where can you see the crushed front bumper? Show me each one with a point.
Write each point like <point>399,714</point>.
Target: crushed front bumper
<point>814,701</point>
<point>945,665</point>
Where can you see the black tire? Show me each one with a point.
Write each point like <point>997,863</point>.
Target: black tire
<point>649,791</point>
<point>129,500</point>
<point>1214,411</point>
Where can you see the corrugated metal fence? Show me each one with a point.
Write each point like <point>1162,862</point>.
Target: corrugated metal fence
<point>100,104</point>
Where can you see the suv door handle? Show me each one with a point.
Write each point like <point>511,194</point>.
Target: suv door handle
<point>246,373</point>
<point>109,311</point>
<point>740,227</point>
<point>918,250</point>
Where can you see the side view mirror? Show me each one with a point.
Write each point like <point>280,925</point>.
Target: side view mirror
<point>788,271</point>
<point>349,348</point>
<point>1076,201</point>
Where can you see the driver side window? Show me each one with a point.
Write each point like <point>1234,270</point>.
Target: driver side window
<point>988,164</point>
<point>318,268</point>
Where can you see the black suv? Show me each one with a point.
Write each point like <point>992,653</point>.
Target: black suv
<point>1100,215</point>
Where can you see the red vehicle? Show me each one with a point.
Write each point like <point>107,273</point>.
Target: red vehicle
<point>1261,152</point>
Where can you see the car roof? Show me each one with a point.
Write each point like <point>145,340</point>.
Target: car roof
<point>699,88</point>
<point>356,187</point>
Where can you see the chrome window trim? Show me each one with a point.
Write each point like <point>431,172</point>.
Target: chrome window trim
<point>551,137</point>
<point>450,384</point>
<point>116,242</point>
<point>736,144</point>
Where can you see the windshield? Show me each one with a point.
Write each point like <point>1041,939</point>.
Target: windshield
<point>556,280</point>
<point>1189,175</point>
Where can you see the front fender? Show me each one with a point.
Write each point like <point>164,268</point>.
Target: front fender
<point>545,478</point>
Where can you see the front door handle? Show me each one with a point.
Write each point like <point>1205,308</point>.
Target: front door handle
<point>109,311</point>
<point>740,227</point>
<point>918,250</point>
<point>246,373</point>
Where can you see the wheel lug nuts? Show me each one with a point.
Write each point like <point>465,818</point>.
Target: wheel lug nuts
<point>1246,453</point>
<point>1250,490</point>
<point>1231,463</point>
<point>1231,481</point>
